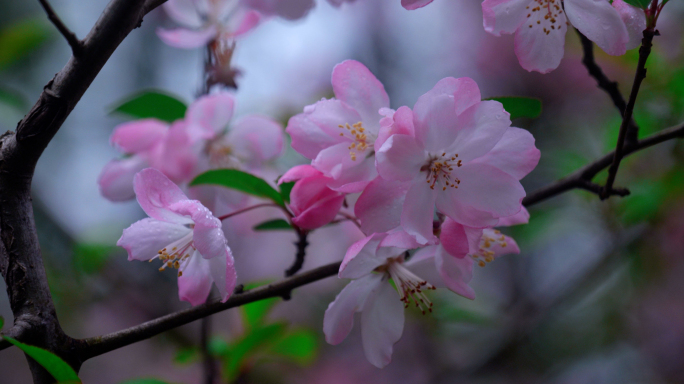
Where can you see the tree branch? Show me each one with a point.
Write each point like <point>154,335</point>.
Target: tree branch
<point>98,345</point>
<point>21,265</point>
<point>611,87</point>
<point>301,244</point>
<point>74,42</point>
<point>639,76</point>
<point>582,177</point>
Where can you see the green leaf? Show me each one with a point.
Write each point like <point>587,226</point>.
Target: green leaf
<point>273,225</point>
<point>241,181</point>
<point>90,258</point>
<point>251,344</point>
<point>59,369</point>
<point>145,381</point>
<point>218,347</point>
<point>156,104</point>
<point>2,322</point>
<point>643,4</point>
<point>520,106</point>
<point>185,356</point>
<point>300,346</point>
<point>12,99</point>
<point>21,38</point>
<point>285,189</point>
<point>255,313</point>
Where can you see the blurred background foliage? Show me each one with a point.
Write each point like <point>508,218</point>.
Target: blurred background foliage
<point>596,294</point>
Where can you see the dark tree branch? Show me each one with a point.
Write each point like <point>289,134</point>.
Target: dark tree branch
<point>639,76</point>
<point>611,87</point>
<point>21,265</point>
<point>207,360</point>
<point>74,42</point>
<point>301,244</point>
<point>98,345</point>
<point>582,177</point>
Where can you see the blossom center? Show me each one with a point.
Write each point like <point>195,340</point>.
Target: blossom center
<point>545,14</point>
<point>222,155</point>
<point>409,286</point>
<point>176,254</point>
<point>438,170</point>
<point>361,140</point>
<point>485,254</point>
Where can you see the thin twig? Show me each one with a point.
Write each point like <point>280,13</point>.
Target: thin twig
<point>102,344</point>
<point>74,42</point>
<point>609,86</point>
<point>639,76</point>
<point>247,209</point>
<point>584,175</point>
<point>301,244</point>
<point>207,360</point>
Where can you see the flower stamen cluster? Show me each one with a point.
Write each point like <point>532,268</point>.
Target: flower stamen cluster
<point>409,285</point>
<point>439,167</point>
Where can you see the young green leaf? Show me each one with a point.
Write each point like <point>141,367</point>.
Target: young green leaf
<point>185,356</point>
<point>90,258</point>
<point>273,225</point>
<point>643,4</point>
<point>255,313</point>
<point>520,106</point>
<point>156,104</point>
<point>285,189</point>
<point>253,343</point>
<point>300,346</point>
<point>2,322</point>
<point>19,39</point>
<point>57,367</point>
<point>241,181</point>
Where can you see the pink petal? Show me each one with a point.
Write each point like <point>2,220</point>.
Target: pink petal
<point>522,217</point>
<point>435,121</point>
<point>398,238</point>
<point>354,180</point>
<point>454,239</point>
<point>600,23</point>
<point>256,139</point>
<point>505,16</point>
<point>354,84</point>
<point>485,188</point>
<point>463,213</point>
<point>186,38</point>
<point>456,273</point>
<point>335,161</point>
<point>536,50</point>
<point>414,4</point>
<point>299,172</point>
<point>379,206</point>
<point>514,154</point>
<point>382,322</point>
<point>313,203</point>
<point>207,231</point>
<point>156,193</point>
<point>361,257</point>
<point>145,238</point>
<point>194,284</point>
<point>116,179</point>
<point>223,273</point>
<point>209,115</point>
<point>177,158</point>
<point>463,90</point>
<point>319,127</point>
<point>418,211</point>
<point>496,246</point>
<point>635,22</point>
<point>401,158</point>
<point>139,135</point>
<point>401,123</point>
<point>481,127</point>
<point>248,22</point>
<point>339,317</point>
<point>183,12</point>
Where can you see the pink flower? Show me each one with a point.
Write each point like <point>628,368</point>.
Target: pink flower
<point>464,158</point>
<point>184,235</point>
<point>414,4</point>
<point>340,134</point>
<point>149,142</point>
<point>313,203</point>
<point>371,263</point>
<point>540,26</point>
<point>205,21</point>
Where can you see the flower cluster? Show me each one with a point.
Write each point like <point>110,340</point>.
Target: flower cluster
<point>433,181</point>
